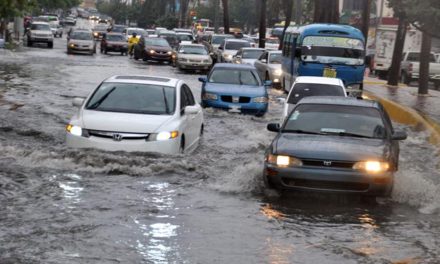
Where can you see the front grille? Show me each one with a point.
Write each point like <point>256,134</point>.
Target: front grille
<point>326,185</point>
<point>328,163</point>
<point>117,136</point>
<point>241,99</point>
<point>195,61</point>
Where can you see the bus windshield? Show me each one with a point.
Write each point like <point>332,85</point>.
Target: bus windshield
<point>333,50</point>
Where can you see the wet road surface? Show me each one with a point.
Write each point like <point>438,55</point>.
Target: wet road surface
<point>60,205</point>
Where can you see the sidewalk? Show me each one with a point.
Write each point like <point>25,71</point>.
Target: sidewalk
<point>405,106</point>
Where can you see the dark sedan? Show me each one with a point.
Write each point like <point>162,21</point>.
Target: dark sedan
<point>332,144</point>
<point>157,49</point>
<point>114,42</point>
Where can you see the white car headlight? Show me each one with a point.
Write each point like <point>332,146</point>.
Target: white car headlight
<point>169,52</point>
<point>209,96</point>
<point>260,99</point>
<point>227,56</point>
<point>74,130</point>
<point>165,135</point>
<point>278,72</point>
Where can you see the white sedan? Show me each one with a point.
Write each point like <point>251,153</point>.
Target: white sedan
<point>312,86</point>
<point>137,113</point>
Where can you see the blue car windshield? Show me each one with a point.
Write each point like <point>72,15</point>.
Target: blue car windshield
<point>333,50</point>
<point>336,120</point>
<point>234,76</point>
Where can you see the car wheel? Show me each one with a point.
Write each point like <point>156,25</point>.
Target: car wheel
<point>182,145</point>
<point>268,183</point>
<point>29,43</point>
<point>267,78</point>
<point>437,85</point>
<point>202,128</point>
<point>260,114</point>
<point>122,53</point>
<point>50,45</point>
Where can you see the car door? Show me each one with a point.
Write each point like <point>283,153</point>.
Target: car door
<point>260,64</point>
<point>193,121</point>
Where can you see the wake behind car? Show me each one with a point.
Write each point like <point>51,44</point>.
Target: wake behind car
<point>156,49</point>
<point>236,88</point>
<point>39,32</point>
<point>114,42</point>
<point>334,144</point>
<point>137,113</point>
<point>193,57</point>
<point>312,86</point>
<point>81,41</point>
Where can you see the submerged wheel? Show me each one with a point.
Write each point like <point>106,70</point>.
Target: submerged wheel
<point>182,145</point>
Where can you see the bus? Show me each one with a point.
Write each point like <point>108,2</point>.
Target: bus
<point>328,50</point>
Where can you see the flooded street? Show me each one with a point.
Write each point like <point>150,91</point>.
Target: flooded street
<point>61,205</point>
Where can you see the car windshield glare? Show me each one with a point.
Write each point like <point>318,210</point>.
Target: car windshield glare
<point>236,45</point>
<point>301,90</point>
<point>327,119</point>
<point>133,98</point>
<point>234,76</point>
<point>275,58</point>
<point>81,36</point>
<point>252,54</point>
<point>40,27</point>
<point>160,42</point>
<point>193,50</point>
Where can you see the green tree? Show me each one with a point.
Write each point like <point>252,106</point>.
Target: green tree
<point>10,9</point>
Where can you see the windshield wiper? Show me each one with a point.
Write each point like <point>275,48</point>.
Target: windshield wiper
<point>99,102</point>
<point>167,109</point>
<point>347,134</point>
<point>299,131</point>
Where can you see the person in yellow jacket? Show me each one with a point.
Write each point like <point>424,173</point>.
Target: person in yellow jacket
<point>133,40</point>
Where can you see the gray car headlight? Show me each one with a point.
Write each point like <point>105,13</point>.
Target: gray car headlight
<point>283,161</point>
<point>74,130</point>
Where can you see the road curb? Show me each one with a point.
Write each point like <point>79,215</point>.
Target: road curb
<point>409,116</point>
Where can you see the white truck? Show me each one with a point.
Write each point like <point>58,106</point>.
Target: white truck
<point>385,39</point>
<point>409,69</point>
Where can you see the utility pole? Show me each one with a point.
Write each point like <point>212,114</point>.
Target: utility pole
<point>394,72</point>
<point>216,8</point>
<point>366,18</point>
<point>298,12</point>
<point>262,29</point>
<point>425,55</point>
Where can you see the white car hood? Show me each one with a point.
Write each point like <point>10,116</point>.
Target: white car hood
<point>248,61</point>
<point>229,52</point>
<point>122,122</point>
<point>42,32</point>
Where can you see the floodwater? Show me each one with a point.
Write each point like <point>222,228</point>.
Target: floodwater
<point>61,205</point>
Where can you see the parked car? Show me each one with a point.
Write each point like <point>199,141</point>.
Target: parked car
<point>137,113</point>
<point>269,67</point>
<point>185,37</point>
<point>334,144</point>
<point>39,32</point>
<point>247,55</point>
<point>157,49</point>
<point>236,88</point>
<point>410,68</point>
<point>114,42</point>
<point>57,30</point>
<point>171,37</point>
<point>99,31</point>
<point>229,47</point>
<point>192,57</point>
<point>312,86</point>
<point>82,42</point>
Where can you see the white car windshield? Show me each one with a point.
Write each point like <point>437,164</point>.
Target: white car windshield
<point>81,35</point>
<point>193,50</point>
<point>342,120</point>
<point>333,50</point>
<point>301,90</point>
<point>234,76</point>
<point>133,98</point>
<point>252,54</point>
<point>40,27</point>
<point>236,45</point>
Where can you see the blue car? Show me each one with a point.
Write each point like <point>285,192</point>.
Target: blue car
<point>236,88</point>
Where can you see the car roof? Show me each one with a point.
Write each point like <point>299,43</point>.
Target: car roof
<point>234,66</point>
<point>40,22</point>
<point>144,79</point>
<point>183,33</point>
<point>339,100</point>
<point>250,48</point>
<point>193,45</point>
<point>235,40</point>
<point>320,80</point>
<point>276,51</point>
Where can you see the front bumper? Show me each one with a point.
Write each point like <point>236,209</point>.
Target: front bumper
<point>158,57</point>
<point>171,146</point>
<point>330,180</point>
<point>80,50</point>
<point>246,108</point>
<point>116,48</point>
<point>41,39</point>
<point>193,65</point>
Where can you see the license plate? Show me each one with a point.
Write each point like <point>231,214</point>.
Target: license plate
<point>234,109</point>
<point>329,72</point>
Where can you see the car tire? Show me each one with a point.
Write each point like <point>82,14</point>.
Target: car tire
<point>268,183</point>
<point>50,45</point>
<point>266,77</point>
<point>437,85</point>
<point>29,43</point>
<point>182,145</point>
<point>260,114</point>
<point>105,51</point>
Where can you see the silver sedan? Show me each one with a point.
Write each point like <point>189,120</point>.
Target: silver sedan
<point>269,67</point>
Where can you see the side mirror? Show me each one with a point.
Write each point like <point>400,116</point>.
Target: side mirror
<point>220,48</point>
<point>78,101</point>
<point>263,61</point>
<point>273,127</point>
<point>237,56</point>
<point>203,79</point>
<point>399,135</point>
<point>192,110</point>
<point>281,100</point>
<point>268,83</point>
